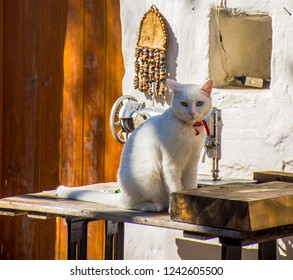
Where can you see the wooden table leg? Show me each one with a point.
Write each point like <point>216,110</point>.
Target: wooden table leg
<point>114,240</point>
<point>77,238</point>
<point>267,250</point>
<point>231,249</point>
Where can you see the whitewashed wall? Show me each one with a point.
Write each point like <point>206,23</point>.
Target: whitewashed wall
<point>258,124</point>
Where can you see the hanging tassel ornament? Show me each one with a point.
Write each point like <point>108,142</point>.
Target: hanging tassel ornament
<point>150,54</point>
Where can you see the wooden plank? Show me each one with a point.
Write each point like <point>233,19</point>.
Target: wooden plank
<point>198,236</point>
<point>72,117</point>
<point>114,76</point>
<point>41,216</point>
<point>52,90</point>
<point>238,206</point>
<point>12,97</point>
<point>11,121</point>
<point>12,213</point>
<point>94,85</point>
<point>1,82</point>
<point>268,176</point>
<point>61,239</point>
<point>53,18</point>
<point>94,117</point>
<point>61,234</point>
<point>31,91</point>
<point>72,110</point>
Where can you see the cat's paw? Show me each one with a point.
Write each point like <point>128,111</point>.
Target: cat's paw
<point>149,207</point>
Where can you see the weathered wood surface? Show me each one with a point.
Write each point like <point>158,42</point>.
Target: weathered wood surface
<point>93,71</point>
<point>268,176</point>
<point>63,71</point>
<point>32,94</point>
<point>47,203</point>
<point>1,81</point>
<point>236,206</point>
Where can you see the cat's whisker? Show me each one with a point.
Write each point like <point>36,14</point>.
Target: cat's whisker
<point>117,123</point>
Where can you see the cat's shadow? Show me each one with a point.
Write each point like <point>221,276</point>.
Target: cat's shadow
<point>171,64</point>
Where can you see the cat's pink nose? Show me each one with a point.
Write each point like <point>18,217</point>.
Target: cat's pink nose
<point>192,114</point>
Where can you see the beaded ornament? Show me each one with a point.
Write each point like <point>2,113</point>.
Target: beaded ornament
<point>150,54</point>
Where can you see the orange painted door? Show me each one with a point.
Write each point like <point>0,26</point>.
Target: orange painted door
<point>62,72</point>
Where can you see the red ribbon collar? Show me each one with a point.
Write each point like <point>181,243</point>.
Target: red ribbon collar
<point>201,123</point>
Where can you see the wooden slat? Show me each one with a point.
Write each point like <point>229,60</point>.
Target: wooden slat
<point>31,91</point>
<point>53,18</point>
<point>72,111</point>
<point>11,128</point>
<point>41,216</point>
<point>12,96</point>
<point>61,239</point>
<point>114,76</point>
<point>268,176</point>
<point>94,103</point>
<point>94,85</point>
<point>199,236</point>
<point>72,117</point>
<point>1,82</point>
<point>52,90</point>
<point>12,213</point>
<point>11,121</point>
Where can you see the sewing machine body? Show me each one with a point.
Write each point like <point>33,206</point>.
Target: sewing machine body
<point>128,113</point>
<point>214,140</point>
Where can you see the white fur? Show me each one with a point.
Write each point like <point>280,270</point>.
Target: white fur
<point>160,156</point>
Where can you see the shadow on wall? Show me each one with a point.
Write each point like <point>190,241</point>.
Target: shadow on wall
<point>172,53</point>
<point>192,250</point>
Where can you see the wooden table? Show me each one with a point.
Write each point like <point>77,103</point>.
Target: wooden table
<point>78,214</point>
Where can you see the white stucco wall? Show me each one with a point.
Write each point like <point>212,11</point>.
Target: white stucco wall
<point>258,124</point>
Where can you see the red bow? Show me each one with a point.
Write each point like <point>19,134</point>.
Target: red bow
<point>201,123</point>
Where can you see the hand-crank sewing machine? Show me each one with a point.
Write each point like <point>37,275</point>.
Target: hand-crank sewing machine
<point>128,113</point>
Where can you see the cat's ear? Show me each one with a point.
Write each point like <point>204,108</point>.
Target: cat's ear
<point>207,88</point>
<point>171,84</point>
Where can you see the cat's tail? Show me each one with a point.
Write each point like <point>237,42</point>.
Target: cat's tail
<point>104,193</point>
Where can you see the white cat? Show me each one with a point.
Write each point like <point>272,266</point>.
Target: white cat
<point>160,156</point>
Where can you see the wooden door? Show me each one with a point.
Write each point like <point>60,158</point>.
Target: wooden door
<point>62,70</point>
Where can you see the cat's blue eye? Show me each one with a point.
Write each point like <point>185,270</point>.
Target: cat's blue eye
<point>199,103</point>
<point>184,104</point>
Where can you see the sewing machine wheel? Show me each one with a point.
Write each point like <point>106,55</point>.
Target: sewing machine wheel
<point>121,128</point>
